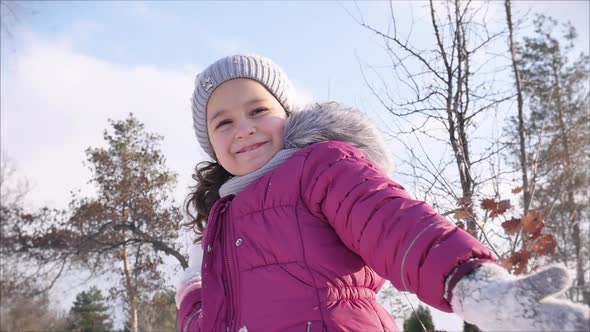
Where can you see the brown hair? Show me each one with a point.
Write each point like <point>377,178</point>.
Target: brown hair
<point>209,176</point>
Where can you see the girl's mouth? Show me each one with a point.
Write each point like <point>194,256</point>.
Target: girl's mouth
<point>251,147</point>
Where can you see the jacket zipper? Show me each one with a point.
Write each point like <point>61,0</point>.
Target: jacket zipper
<point>232,285</point>
<point>308,329</point>
<point>216,210</point>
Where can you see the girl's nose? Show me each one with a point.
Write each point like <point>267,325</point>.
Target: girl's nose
<point>245,129</point>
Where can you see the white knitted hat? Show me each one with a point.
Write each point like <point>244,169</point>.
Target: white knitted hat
<point>258,68</point>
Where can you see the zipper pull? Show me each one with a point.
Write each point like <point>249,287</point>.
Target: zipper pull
<point>308,326</point>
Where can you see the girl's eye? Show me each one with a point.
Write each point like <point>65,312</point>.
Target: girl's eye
<point>259,110</point>
<point>222,123</point>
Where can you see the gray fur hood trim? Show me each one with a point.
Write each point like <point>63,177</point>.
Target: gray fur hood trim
<point>332,121</point>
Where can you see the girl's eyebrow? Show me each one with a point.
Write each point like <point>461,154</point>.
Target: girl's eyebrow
<point>216,115</point>
<point>254,101</point>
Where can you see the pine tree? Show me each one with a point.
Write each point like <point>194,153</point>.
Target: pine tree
<point>470,327</point>
<point>125,228</point>
<point>133,219</point>
<point>555,86</point>
<point>419,319</point>
<point>89,313</point>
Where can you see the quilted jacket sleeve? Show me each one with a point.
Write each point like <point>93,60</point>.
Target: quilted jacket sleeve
<point>189,309</point>
<point>189,293</point>
<point>403,240</point>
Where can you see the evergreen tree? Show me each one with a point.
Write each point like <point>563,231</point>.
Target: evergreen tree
<point>555,86</point>
<point>470,327</point>
<point>133,219</point>
<point>419,319</point>
<point>160,312</point>
<point>89,313</point>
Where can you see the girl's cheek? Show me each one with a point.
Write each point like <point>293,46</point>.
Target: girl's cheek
<point>217,141</point>
<point>227,140</point>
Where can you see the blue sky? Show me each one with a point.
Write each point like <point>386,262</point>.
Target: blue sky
<point>75,47</point>
<point>68,66</point>
<point>180,34</point>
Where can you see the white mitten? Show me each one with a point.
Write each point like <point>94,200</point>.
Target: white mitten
<point>494,300</point>
<point>190,278</point>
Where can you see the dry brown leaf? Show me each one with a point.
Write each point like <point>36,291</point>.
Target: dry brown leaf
<point>546,245</point>
<point>519,261</point>
<point>532,222</point>
<point>489,204</point>
<point>512,226</point>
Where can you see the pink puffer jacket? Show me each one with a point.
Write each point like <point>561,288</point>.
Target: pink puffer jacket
<point>308,245</point>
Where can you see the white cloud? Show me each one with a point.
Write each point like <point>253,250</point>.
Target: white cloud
<point>144,10</point>
<point>302,94</point>
<point>56,102</point>
<point>82,32</point>
<point>225,45</point>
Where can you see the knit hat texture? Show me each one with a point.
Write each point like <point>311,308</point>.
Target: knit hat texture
<point>254,67</point>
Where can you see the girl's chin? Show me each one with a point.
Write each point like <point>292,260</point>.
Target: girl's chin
<point>245,167</point>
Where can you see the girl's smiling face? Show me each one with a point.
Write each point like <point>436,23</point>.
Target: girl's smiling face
<point>245,124</point>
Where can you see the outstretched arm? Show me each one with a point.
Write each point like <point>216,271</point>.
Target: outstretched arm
<point>402,239</point>
<point>407,242</point>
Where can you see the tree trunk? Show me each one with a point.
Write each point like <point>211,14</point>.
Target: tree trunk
<point>455,90</point>
<point>521,129</point>
<point>580,280</point>
<point>130,291</point>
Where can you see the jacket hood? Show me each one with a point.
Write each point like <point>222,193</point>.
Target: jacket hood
<point>332,121</point>
<point>317,123</point>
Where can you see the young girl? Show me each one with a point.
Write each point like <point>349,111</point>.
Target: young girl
<point>300,225</point>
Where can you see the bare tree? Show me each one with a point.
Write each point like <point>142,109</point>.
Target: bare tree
<point>13,188</point>
<point>8,16</point>
<point>11,13</point>
<point>526,188</point>
<point>438,95</point>
<point>446,95</point>
<point>22,284</point>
